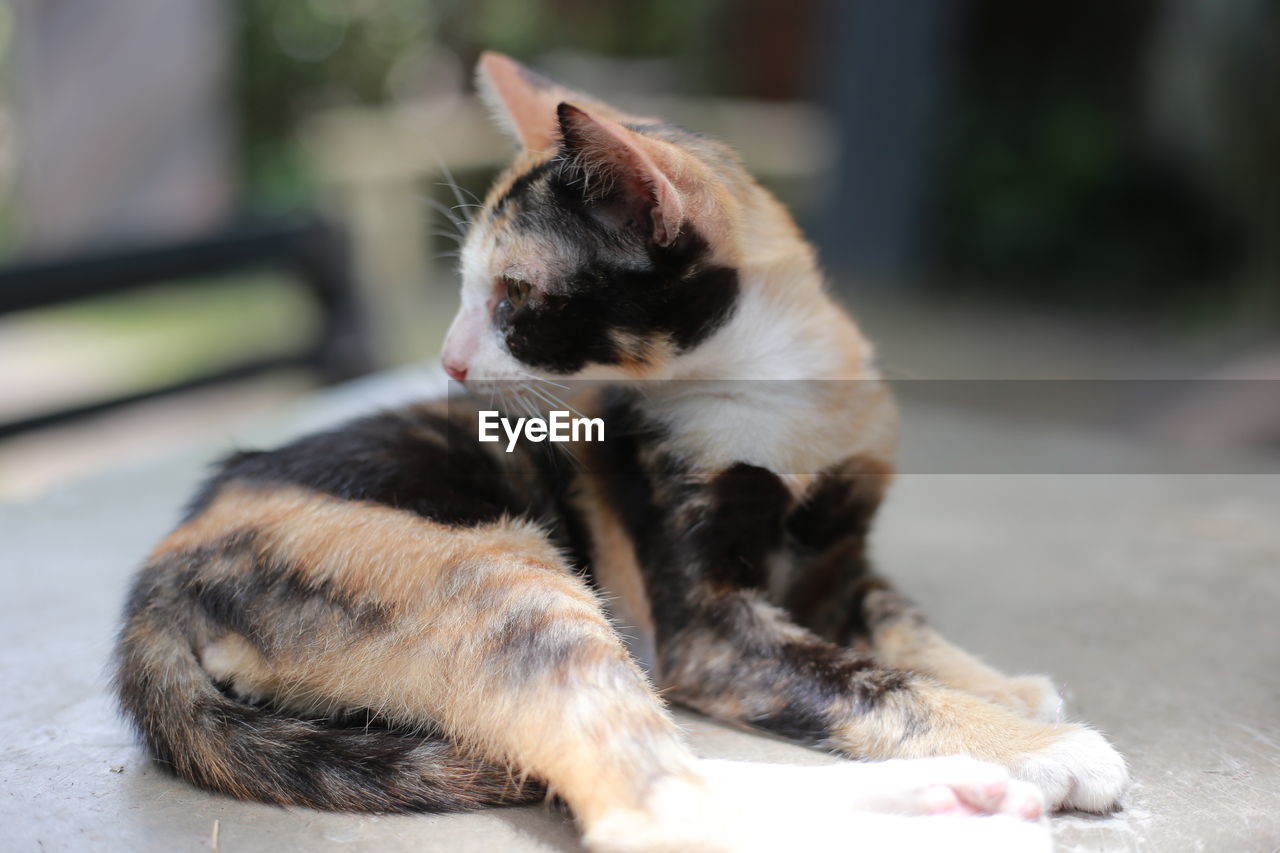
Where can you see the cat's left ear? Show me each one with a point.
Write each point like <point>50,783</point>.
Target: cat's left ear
<point>624,169</point>
<point>523,101</point>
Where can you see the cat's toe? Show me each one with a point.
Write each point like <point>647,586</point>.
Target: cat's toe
<point>952,785</point>
<point>1022,799</point>
<point>1032,697</point>
<point>1039,698</point>
<point>1078,770</point>
<point>1000,796</point>
<point>976,787</point>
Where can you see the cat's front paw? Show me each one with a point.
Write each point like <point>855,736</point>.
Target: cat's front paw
<point>1078,770</point>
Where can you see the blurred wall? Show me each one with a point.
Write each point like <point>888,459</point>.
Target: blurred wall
<point>121,111</point>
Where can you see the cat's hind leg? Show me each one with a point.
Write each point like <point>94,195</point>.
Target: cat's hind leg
<point>316,607</point>
<point>480,640</point>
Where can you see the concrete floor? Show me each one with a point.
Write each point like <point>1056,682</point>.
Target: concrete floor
<point>1153,598</point>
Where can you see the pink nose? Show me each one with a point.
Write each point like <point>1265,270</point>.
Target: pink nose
<point>457,372</point>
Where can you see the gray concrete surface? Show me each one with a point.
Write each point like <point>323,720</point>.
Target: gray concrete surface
<point>1153,598</point>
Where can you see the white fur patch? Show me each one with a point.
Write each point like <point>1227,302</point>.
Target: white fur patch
<point>1078,771</point>
<point>744,806</point>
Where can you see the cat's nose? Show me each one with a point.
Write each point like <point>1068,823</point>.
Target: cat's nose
<point>457,372</point>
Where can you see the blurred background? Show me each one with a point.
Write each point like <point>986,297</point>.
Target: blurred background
<point>210,208</point>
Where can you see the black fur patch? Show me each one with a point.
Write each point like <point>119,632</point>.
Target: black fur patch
<point>622,284</point>
<point>839,506</point>
<point>819,704</point>
<point>527,645</point>
<point>670,297</point>
<point>411,459</point>
<point>630,491</point>
<point>265,600</point>
<point>799,720</point>
<point>829,531</point>
<point>520,186</point>
<point>743,525</point>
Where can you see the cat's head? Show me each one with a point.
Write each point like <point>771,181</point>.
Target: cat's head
<point>609,249</point>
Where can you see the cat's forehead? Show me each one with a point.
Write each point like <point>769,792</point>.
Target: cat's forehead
<point>531,225</point>
<point>526,169</point>
<point>538,256</point>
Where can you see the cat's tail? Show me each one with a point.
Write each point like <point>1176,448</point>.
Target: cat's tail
<point>222,744</point>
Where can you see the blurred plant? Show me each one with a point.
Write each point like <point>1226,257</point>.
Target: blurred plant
<point>297,56</point>
<point>1058,190</point>
<point>1055,198</point>
<point>1214,84</point>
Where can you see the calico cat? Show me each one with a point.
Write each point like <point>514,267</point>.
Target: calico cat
<point>393,616</point>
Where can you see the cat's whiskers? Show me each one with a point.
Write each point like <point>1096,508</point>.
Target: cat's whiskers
<point>531,410</point>
<point>449,235</point>
<point>550,397</point>
<point>551,450</point>
<point>545,396</point>
<point>548,381</point>
<point>552,403</point>
<point>460,224</point>
<point>495,388</point>
<point>456,188</point>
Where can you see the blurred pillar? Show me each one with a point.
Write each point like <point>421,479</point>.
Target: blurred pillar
<point>890,69</point>
<point>1212,91</point>
<point>121,112</point>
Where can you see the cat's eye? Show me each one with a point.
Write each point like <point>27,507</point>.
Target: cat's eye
<point>517,290</point>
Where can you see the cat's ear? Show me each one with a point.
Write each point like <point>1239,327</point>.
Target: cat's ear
<point>523,101</point>
<point>623,168</point>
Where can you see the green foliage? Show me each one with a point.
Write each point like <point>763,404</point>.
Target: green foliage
<point>1054,190</point>
<point>1056,198</point>
<point>295,56</point>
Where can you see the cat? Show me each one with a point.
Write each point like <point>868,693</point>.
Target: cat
<point>393,616</point>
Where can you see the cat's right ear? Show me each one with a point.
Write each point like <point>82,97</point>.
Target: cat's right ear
<point>523,101</point>
<point>623,172</point>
